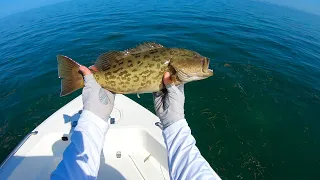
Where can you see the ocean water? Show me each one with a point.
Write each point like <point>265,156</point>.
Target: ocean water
<point>257,118</point>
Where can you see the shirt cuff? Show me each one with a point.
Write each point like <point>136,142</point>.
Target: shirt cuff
<point>175,127</point>
<point>89,116</point>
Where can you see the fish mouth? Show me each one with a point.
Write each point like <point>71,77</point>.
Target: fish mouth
<point>205,69</point>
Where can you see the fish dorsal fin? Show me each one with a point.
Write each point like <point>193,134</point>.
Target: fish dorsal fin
<point>105,60</point>
<point>146,46</point>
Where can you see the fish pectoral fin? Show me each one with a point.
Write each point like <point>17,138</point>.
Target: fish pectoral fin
<point>105,60</point>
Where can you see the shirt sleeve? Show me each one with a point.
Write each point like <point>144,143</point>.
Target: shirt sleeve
<point>81,159</point>
<point>184,158</point>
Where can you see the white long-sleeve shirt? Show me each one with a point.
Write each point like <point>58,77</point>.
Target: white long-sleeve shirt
<point>81,159</point>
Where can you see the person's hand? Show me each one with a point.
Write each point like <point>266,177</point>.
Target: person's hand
<point>169,105</point>
<point>95,99</point>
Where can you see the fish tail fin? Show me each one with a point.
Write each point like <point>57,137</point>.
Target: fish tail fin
<point>71,79</point>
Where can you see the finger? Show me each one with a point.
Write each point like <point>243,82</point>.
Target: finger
<point>167,79</point>
<point>93,68</point>
<point>168,82</point>
<point>84,70</point>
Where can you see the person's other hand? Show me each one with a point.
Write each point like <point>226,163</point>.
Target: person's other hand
<point>169,105</point>
<point>95,99</point>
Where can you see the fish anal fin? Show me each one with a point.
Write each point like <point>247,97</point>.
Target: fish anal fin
<point>105,60</point>
<point>146,46</point>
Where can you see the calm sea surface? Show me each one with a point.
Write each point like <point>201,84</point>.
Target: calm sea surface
<point>257,118</point>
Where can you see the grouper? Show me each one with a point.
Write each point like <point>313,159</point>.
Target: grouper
<point>137,70</point>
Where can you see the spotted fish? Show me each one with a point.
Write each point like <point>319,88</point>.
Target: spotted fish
<point>138,70</point>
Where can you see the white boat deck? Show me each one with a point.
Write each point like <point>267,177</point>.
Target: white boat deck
<point>134,147</point>
<point>134,137</point>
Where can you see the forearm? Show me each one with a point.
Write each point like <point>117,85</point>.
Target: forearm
<point>81,159</point>
<point>184,158</point>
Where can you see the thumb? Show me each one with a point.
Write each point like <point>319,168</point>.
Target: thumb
<point>167,79</point>
<point>84,70</point>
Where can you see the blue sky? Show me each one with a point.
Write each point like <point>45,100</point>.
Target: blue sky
<point>8,7</point>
